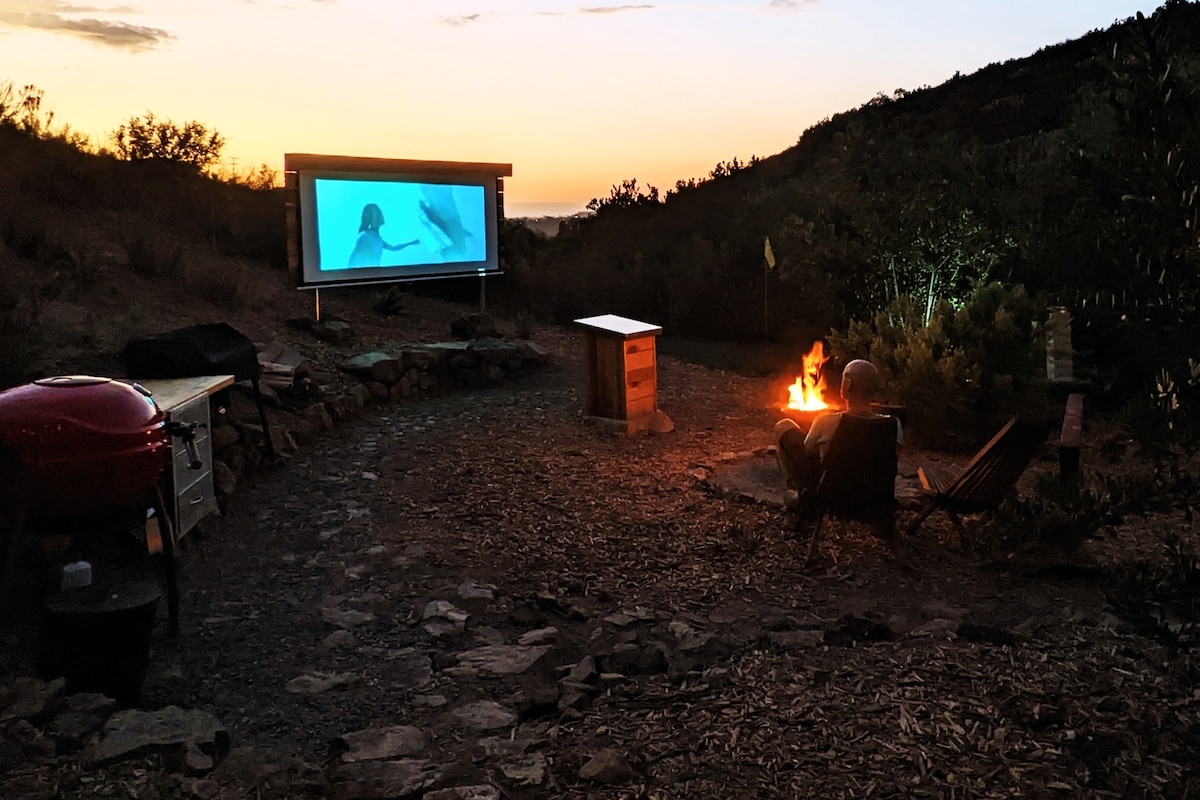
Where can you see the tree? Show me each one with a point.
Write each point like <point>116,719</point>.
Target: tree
<point>627,195</point>
<point>147,138</point>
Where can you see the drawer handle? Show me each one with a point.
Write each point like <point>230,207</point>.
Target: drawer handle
<point>196,502</point>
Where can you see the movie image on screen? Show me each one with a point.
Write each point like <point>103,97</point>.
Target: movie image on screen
<point>392,224</point>
<point>360,221</point>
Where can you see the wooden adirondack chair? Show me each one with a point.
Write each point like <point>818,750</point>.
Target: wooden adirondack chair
<point>858,478</point>
<point>986,480</point>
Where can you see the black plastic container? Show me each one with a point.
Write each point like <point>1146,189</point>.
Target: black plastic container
<point>98,638</point>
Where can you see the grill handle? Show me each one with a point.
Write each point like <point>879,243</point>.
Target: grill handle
<point>186,431</point>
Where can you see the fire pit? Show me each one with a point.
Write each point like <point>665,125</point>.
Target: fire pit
<point>808,396</point>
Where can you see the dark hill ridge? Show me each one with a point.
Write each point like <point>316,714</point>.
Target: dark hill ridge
<point>1034,159</point>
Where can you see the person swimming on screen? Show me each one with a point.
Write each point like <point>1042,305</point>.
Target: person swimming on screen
<point>369,246</point>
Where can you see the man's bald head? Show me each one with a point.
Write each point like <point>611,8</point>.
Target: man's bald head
<point>861,383</point>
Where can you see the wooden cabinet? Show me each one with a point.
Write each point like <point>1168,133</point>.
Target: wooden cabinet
<point>186,401</point>
<point>622,367</point>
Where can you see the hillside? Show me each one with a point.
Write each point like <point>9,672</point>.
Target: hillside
<point>1071,171</point>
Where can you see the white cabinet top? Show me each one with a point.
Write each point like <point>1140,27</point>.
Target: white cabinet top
<point>621,326</point>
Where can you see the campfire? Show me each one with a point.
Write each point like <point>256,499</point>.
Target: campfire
<point>808,392</point>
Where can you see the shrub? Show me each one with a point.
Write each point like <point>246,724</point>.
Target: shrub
<point>961,372</point>
<point>524,322</point>
<point>153,256</point>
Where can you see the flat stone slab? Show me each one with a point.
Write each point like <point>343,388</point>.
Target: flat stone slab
<point>380,743</point>
<point>498,659</point>
<point>383,780</point>
<point>486,715</point>
<point>133,731</point>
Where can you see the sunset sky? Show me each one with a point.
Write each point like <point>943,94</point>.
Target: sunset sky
<point>576,96</point>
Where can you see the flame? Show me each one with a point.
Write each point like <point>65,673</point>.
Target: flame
<point>807,392</point>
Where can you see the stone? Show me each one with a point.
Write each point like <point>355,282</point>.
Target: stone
<point>607,767</point>
<point>443,618</point>
<point>383,780</point>
<point>484,791</point>
<point>538,637</point>
<point>498,659</point>
<point>529,771</point>
<point>224,478</point>
<point>484,715</point>
<point>345,619</point>
<point>223,436</point>
<point>532,352</point>
<point>27,697</point>
<point>375,366</point>
<point>319,682</point>
<point>584,671</point>
<point>379,743</point>
<point>796,640</point>
<point>81,717</point>
<point>537,702</point>
<point>200,736</point>
<point>339,639</point>
<point>470,590</point>
<point>624,658</point>
<point>494,351</point>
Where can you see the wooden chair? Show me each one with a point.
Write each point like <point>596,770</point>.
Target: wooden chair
<point>858,478</point>
<point>986,480</point>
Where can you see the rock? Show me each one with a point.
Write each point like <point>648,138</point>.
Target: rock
<point>624,658</point>
<point>532,352</point>
<point>484,715</point>
<point>479,792</point>
<point>474,326</point>
<point>383,780</point>
<point>796,640</point>
<point>379,743</point>
<point>497,659</point>
<point>470,590</point>
<point>494,351</point>
<point>333,330</point>
<point>27,697</point>
<point>584,671</point>
<point>223,436</point>
<point>318,682</point>
<point>537,702</point>
<point>607,767</point>
<point>345,619</point>
<point>539,636</point>
<point>81,717</point>
<point>573,699</point>
<point>529,771</point>
<point>339,639</point>
<point>199,736</point>
<point>443,618</point>
<point>224,478</point>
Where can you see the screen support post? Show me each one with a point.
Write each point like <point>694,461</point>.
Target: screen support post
<point>482,293</point>
<point>317,301</point>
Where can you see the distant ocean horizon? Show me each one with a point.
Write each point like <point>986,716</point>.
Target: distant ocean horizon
<point>543,209</point>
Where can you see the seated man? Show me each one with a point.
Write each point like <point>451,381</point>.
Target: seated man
<point>799,454</point>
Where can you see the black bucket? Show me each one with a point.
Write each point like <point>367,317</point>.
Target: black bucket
<point>98,638</point>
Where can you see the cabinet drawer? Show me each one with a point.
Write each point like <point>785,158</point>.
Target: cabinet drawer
<point>195,502</point>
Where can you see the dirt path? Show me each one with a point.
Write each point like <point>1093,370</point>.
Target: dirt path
<point>526,595</point>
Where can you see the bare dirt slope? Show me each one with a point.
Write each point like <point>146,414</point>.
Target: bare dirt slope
<point>550,611</point>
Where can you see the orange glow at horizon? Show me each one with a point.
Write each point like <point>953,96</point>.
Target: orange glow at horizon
<point>807,393</point>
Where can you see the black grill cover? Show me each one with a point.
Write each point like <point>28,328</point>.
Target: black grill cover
<point>212,349</point>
